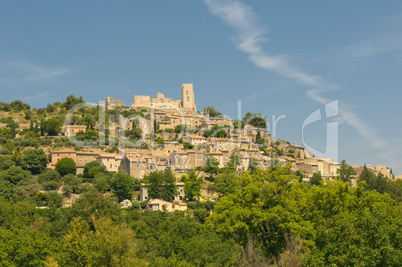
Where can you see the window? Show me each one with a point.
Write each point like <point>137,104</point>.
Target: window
<point>69,154</point>
<point>188,98</point>
<point>186,92</point>
<point>111,165</point>
<point>58,154</point>
<point>58,159</point>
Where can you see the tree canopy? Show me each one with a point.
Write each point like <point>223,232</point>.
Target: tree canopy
<point>66,166</point>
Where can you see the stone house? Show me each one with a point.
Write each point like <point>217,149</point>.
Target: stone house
<point>110,160</point>
<point>158,204</point>
<point>71,130</point>
<point>179,198</point>
<point>56,155</point>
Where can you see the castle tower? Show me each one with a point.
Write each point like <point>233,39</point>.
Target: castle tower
<point>187,97</point>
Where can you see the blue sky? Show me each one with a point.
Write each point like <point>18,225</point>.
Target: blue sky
<point>276,57</point>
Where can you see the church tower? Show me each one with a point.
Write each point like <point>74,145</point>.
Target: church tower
<point>187,97</point>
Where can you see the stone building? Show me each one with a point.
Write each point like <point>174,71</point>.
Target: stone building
<point>187,102</point>
<point>71,130</point>
<point>112,103</point>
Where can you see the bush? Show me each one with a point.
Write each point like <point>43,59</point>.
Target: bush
<point>192,205</point>
<point>51,185</point>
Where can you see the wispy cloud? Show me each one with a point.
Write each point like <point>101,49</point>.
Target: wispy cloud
<point>250,37</point>
<point>376,46</point>
<point>17,72</point>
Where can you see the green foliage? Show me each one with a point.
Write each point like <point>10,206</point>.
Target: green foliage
<point>71,101</point>
<point>49,175</point>
<point>212,112</point>
<point>89,135</point>
<point>345,172</point>
<point>192,185</point>
<point>27,187</point>
<point>92,168</point>
<point>181,128</point>
<point>28,114</point>
<point>212,165</point>
<point>66,166</point>
<point>161,184</point>
<point>36,159</point>
<point>102,181</point>
<point>72,182</point>
<point>256,120</point>
<point>253,165</point>
<point>17,105</point>
<point>133,113</point>
<point>234,162</point>
<point>134,135</point>
<point>15,174</point>
<point>52,127</point>
<point>160,141</point>
<point>316,179</point>
<point>123,185</point>
<point>381,184</point>
<point>216,131</point>
<point>169,130</point>
<point>187,145</point>
<point>107,245</point>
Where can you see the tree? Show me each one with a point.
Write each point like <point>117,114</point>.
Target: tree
<point>66,166</point>
<point>71,101</point>
<point>51,126</point>
<point>123,185</point>
<point>36,160</point>
<point>28,187</point>
<point>17,105</point>
<point>107,245</point>
<point>253,165</point>
<point>15,174</point>
<point>134,134</point>
<point>212,112</point>
<point>345,172</point>
<point>212,165</point>
<point>256,120</point>
<point>28,114</point>
<point>72,183</point>
<point>92,168</point>
<point>192,185</point>
<point>102,181</point>
<point>216,131</point>
<point>316,179</point>
<point>180,128</point>
<point>49,175</point>
<point>161,184</point>
<point>234,162</point>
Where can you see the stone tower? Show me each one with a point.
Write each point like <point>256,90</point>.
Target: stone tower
<point>187,97</point>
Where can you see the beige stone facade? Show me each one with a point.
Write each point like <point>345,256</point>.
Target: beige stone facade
<point>112,103</point>
<point>71,130</point>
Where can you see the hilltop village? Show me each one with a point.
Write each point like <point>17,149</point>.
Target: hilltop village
<point>157,134</point>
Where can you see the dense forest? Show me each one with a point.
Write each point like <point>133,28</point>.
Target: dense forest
<point>261,218</point>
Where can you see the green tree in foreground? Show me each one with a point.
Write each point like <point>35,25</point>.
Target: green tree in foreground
<point>192,185</point>
<point>123,185</point>
<point>66,166</point>
<point>316,179</point>
<point>161,184</point>
<point>92,168</point>
<point>345,172</point>
<point>107,245</point>
<point>36,160</point>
